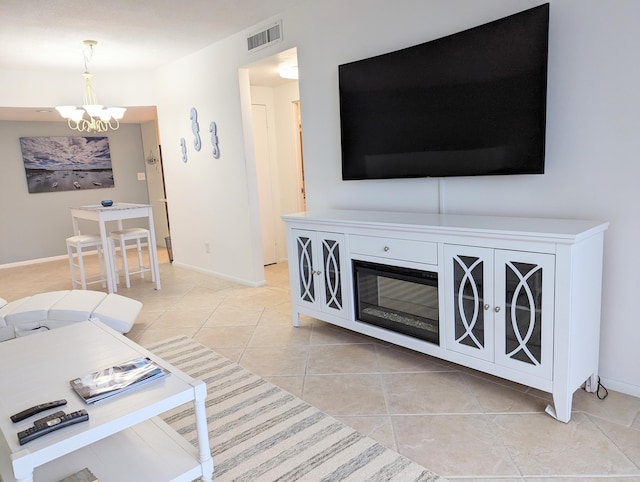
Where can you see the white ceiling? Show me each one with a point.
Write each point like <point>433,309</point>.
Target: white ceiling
<point>131,34</point>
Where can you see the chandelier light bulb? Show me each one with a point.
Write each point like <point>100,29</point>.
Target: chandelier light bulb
<point>93,117</point>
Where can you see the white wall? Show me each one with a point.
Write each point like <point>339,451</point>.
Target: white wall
<point>35,226</point>
<point>592,140</point>
<point>593,118</point>
<point>591,152</point>
<point>214,201</point>
<point>208,199</point>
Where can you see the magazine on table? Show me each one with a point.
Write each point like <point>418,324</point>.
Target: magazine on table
<point>117,379</point>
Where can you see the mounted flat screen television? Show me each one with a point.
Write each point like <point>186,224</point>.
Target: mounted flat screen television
<point>469,104</point>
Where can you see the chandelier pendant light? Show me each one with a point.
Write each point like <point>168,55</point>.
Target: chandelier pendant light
<point>92,117</point>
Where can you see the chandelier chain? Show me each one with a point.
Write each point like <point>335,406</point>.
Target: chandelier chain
<point>92,117</point>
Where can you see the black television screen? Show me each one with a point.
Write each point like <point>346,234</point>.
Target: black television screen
<point>469,104</point>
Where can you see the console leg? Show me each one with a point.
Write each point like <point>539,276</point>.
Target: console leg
<point>561,409</point>
<point>296,319</point>
<point>591,385</point>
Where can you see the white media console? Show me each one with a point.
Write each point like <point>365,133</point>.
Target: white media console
<point>518,298</point>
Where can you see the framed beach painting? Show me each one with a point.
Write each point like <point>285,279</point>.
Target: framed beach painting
<point>66,163</point>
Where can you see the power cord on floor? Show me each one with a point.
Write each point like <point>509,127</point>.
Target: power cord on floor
<point>41,326</point>
<point>601,386</point>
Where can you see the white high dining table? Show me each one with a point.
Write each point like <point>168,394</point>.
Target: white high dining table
<point>117,212</point>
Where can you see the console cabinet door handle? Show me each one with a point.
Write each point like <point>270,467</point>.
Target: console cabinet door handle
<point>486,307</point>
<point>497,309</point>
<point>386,248</point>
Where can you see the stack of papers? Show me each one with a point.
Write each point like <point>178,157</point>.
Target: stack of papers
<point>115,380</point>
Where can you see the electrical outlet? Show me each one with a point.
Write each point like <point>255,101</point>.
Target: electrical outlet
<point>141,176</point>
<point>207,248</point>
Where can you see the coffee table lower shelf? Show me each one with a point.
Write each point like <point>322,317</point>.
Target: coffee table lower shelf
<point>151,450</point>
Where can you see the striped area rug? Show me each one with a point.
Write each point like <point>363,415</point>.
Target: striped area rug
<point>259,432</point>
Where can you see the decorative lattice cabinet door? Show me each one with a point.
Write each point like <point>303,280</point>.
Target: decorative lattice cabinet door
<point>320,263</point>
<point>524,287</point>
<point>469,301</point>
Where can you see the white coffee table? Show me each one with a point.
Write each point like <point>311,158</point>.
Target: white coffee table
<point>123,439</point>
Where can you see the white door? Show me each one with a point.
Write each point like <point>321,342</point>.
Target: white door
<point>265,190</point>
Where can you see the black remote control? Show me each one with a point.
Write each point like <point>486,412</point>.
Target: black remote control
<point>42,421</point>
<point>47,426</point>
<point>18,417</point>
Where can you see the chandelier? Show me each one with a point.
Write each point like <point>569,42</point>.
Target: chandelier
<point>92,117</point>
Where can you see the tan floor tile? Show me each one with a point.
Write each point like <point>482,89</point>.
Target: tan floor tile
<point>379,428</point>
<point>326,359</point>
<point>228,315</point>
<point>328,334</point>
<point>636,423</point>
<point>151,335</point>
<point>428,393</point>
<point>157,303</point>
<point>499,381</point>
<point>200,299</point>
<point>279,335</point>
<point>254,326</point>
<point>495,397</point>
<point>271,361</point>
<point>581,478</point>
<point>275,316</point>
<point>541,445</point>
<point>493,479</point>
<point>255,297</point>
<point>224,336</point>
<point>462,445</point>
<point>626,439</point>
<point>233,353</point>
<point>397,359</point>
<point>293,385</point>
<point>181,318</point>
<point>345,394</point>
<point>147,318</point>
<point>616,407</point>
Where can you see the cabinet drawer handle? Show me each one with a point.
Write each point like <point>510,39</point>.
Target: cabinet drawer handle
<point>386,248</point>
<point>486,306</point>
<point>497,309</point>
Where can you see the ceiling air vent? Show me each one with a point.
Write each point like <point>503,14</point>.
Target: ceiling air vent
<point>265,37</point>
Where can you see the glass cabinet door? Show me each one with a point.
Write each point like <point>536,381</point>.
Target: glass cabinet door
<point>469,300</point>
<point>331,275</point>
<point>320,272</point>
<point>306,270</point>
<point>525,287</point>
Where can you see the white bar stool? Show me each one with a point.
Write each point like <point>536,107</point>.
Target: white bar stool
<point>121,237</point>
<point>79,243</point>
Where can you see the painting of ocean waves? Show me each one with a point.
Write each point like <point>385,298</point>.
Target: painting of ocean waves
<point>66,163</point>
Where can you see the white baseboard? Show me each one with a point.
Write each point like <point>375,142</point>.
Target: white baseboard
<point>33,261</point>
<point>241,281</point>
<point>621,387</point>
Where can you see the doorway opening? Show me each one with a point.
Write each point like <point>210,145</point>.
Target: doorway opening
<point>277,139</point>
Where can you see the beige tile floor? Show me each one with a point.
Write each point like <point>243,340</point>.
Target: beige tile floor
<point>460,423</point>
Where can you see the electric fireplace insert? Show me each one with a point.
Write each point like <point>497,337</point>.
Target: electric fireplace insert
<point>403,300</point>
